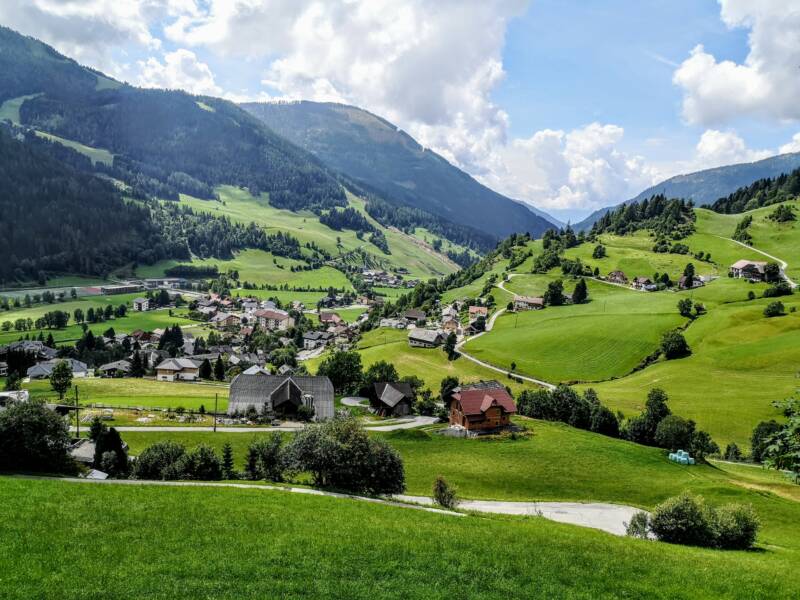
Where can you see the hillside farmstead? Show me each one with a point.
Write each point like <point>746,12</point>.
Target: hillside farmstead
<point>749,269</point>
<point>484,406</point>
<point>424,338</point>
<point>528,303</point>
<point>392,398</point>
<point>178,369</point>
<point>281,396</point>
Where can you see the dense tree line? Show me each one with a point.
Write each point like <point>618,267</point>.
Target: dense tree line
<point>667,218</point>
<point>764,192</point>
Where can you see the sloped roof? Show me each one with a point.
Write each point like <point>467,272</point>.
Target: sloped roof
<point>391,393</point>
<point>425,335</point>
<point>477,398</point>
<point>529,300</point>
<point>120,365</point>
<point>177,364</point>
<point>277,315</point>
<point>742,264</point>
<point>256,390</point>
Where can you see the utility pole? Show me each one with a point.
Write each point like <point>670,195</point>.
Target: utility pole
<point>77,414</point>
<point>216,398</point>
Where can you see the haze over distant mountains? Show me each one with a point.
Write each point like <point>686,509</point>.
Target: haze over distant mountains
<point>390,163</point>
<point>704,187</point>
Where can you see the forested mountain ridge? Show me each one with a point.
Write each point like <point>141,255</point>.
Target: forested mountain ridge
<point>705,187</point>
<point>763,192</point>
<point>391,164</point>
<point>164,142</point>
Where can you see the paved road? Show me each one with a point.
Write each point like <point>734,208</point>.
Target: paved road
<point>489,327</point>
<point>253,487</point>
<point>606,517</point>
<point>783,264</point>
<point>394,426</point>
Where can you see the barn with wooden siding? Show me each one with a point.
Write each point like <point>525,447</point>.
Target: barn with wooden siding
<point>282,395</point>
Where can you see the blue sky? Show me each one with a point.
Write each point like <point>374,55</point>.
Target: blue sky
<point>569,105</point>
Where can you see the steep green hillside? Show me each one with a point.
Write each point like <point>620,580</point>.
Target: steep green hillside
<point>389,162</point>
<point>407,251</point>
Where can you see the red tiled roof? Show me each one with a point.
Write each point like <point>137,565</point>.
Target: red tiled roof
<point>478,401</point>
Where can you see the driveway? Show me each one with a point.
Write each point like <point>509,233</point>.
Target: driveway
<point>410,424</point>
<point>611,518</point>
<point>355,401</point>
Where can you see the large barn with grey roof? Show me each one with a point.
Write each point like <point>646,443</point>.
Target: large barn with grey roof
<point>282,394</point>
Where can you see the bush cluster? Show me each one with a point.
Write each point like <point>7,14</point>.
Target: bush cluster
<point>688,520</point>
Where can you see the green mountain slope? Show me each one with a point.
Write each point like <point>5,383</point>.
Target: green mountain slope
<point>389,162</point>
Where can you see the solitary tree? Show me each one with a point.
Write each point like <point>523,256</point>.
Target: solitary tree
<point>61,378</point>
<point>685,307</point>
<point>450,346</point>
<point>227,462</point>
<point>580,294</point>
<point>554,296</point>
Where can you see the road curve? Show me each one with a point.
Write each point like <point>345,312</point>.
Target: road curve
<point>489,326</point>
<point>783,264</point>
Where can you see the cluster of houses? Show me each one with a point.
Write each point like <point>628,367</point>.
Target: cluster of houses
<point>379,278</point>
<point>645,284</point>
<point>244,313</point>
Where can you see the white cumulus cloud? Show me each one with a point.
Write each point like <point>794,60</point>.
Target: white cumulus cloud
<point>180,70</point>
<point>766,84</point>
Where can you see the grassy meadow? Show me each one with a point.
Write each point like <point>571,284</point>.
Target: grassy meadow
<point>66,536</point>
<point>407,251</point>
<point>145,393</point>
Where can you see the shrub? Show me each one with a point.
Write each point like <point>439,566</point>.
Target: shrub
<point>732,452</point>
<point>305,413</point>
<point>34,438</point>
<point>109,441</point>
<point>736,526</point>
<point>340,454</point>
<point>444,494</point>
<point>674,345</point>
<point>266,459</point>
<point>157,461</point>
<point>684,519</point>
<point>774,309</point>
<point>202,464</point>
<point>639,526</point>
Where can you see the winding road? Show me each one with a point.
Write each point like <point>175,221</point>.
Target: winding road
<point>489,327</point>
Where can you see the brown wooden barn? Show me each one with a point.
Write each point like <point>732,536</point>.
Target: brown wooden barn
<point>481,406</point>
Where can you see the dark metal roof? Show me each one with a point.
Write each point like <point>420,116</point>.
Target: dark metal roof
<point>257,390</point>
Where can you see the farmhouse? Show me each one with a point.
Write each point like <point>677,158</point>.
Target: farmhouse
<point>329,318</point>
<point>424,338</point>
<point>392,398</point>
<point>281,395</point>
<point>528,303</point>
<point>478,311</point>
<point>449,312</point>
<point>413,315</point>
<point>686,284</point>
<point>43,370</point>
<point>617,277</point>
<point>393,323</point>
<point>450,325</point>
<point>118,368</point>
<point>315,339</point>
<point>178,369</point>
<point>141,304</point>
<point>644,283</point>
<point>749,269</point>
<point>483,406</point>
<point>274,319</point>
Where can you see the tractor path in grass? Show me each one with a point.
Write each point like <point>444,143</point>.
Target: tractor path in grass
<point>783,264</point>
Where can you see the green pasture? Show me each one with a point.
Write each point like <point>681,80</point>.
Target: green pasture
<point>65,536</point>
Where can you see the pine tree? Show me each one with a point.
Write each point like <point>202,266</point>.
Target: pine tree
<point>205,369</point>
<point>50,343</point>
<point>580,294</point>
<point>227,462</point>
<point>219,369</point>
<point>137,366</point>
